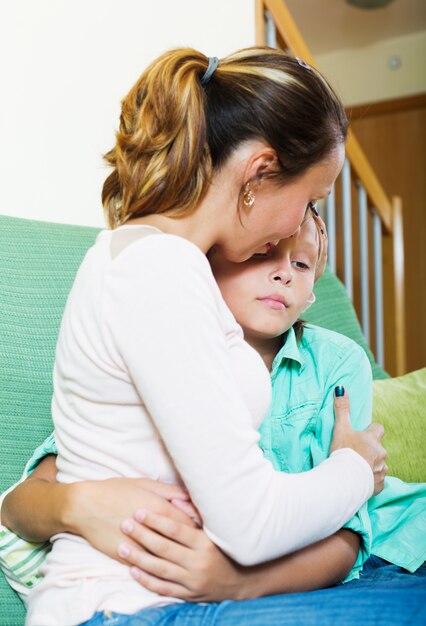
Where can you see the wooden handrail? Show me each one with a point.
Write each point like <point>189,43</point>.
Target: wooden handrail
<point>398,287</point>
<point>371,183</point>
<point>290,34</point>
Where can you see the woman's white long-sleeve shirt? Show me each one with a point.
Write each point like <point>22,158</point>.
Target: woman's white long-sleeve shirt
<point>153,378</point>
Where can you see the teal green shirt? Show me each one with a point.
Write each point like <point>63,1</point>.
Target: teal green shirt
<point>297,432</point>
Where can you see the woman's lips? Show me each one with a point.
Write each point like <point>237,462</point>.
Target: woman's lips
<point>271,245</point>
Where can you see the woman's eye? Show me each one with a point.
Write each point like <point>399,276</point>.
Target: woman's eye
<point>263,255</point>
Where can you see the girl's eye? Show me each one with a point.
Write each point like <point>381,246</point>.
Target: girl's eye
<point>300,265</point>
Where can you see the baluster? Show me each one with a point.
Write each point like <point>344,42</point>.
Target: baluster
<point>271,33</point>
<point>363,261</point>
<point>378,288</point>
<point>347,228</point>
<point>331,229</point>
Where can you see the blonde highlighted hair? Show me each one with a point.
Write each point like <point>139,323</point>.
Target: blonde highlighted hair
<point>174,132</point>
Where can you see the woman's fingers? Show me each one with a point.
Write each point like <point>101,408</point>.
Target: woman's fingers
<point>165,564</point>
<point>342,419</point>
<point>188,508</point>
<point>377,430</point>
<point>367,443</point>
<point>379,478</point>
<point>166,528</point>
<point>166,507</point>
<point>150,564</point>
<point>161,536</point>
<point>160,586</point>
<point>380,469</point>
<point>342,408</point>
<point>165,490</point>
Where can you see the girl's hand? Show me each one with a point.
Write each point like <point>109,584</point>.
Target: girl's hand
<point>97,508</point>
<point>365,442</point>
<point>179,560</point>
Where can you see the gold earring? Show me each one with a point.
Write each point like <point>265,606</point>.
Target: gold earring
<point>248,197</point>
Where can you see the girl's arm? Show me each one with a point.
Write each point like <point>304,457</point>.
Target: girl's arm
<point>320,565</point>
<point>40,507</point>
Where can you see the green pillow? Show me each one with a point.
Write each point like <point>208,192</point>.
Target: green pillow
<point>334,310</point>
<point>400,405</point>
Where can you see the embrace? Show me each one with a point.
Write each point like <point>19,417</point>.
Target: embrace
<point>206,466</point>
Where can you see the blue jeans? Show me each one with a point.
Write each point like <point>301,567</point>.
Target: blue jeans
<point>384,595</point>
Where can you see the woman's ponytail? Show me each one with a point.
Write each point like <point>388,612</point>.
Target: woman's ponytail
<point>161,161</point>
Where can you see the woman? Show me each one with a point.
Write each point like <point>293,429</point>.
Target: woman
<point>152,375</point>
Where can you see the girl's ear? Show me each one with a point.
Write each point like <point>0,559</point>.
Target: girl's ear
<point>309,301</point>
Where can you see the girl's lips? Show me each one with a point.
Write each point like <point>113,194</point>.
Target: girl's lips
<point>273,303</point>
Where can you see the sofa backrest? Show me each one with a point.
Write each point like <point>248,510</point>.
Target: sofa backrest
<point>38,262</point>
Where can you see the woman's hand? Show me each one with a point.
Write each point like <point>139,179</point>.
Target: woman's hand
<point>179,560</point>
<point>365,442</point>
<point>182,562</point>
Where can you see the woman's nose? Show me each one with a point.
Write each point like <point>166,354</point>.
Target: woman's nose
<point>296,232</point>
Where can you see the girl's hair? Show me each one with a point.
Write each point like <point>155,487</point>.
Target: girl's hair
<point>174,132</point>
<point>299,324</point>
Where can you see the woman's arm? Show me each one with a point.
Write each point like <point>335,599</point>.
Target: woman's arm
<point>183,562</point>
<point>253,513</point>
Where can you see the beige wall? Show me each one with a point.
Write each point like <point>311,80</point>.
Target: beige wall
<point>66,65</point>
<point>362,74</point>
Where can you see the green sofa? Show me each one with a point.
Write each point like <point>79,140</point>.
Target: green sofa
<point>38,262</point>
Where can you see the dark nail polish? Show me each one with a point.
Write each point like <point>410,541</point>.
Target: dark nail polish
<point>339,391</point>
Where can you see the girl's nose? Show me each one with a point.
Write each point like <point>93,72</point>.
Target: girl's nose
<point>282,275</point>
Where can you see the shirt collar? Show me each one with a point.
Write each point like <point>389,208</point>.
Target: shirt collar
<point>290,350</point>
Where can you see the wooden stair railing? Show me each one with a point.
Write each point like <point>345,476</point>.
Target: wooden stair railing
<point>274,21</point>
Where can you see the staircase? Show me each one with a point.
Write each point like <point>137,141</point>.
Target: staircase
<point>364,226</point>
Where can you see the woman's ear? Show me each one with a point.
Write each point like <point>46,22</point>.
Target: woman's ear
<point>263,160</point>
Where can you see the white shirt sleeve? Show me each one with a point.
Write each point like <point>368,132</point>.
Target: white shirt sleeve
<point>167,327</point>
